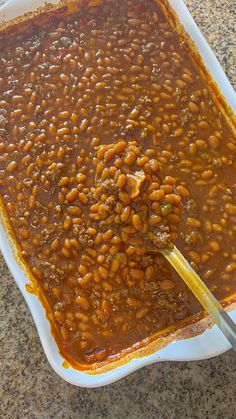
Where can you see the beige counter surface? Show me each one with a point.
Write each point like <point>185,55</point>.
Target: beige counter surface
<point>29,388</point>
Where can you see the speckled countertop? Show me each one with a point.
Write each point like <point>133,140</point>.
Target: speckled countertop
<point>29,388</point>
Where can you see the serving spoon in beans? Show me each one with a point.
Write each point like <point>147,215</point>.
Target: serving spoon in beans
<point>203,294</point>
<point>136,179</point>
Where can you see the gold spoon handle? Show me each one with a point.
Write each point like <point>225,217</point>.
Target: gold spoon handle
<point>203,294</point>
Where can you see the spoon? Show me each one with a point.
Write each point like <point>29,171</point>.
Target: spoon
<point>203,294</point>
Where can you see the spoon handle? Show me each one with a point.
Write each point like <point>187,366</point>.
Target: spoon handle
<point>203,294</point>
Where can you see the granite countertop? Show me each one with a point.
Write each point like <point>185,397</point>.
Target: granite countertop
<point>29,388</point>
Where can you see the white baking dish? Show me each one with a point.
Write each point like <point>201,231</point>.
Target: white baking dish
<point>208,344</point>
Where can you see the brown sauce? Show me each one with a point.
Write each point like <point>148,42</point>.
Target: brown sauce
<point>109,137</point>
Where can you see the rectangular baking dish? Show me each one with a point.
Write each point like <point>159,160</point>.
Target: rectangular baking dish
<point>178,345</point>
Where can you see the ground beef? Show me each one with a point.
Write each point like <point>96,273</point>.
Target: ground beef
<point>162,240</point>
<point>146,260</point>
<point>3,118</point>
<point>191,237</point>
<point>84,239</point>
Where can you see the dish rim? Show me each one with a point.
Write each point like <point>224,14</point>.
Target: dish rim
<point>194,348</point>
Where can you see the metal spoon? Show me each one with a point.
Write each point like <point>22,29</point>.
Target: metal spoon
<point>203,294</point>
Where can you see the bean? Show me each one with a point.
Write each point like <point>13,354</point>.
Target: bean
<point>84,124</point>
<point>130,158</point>
<point>134,113</point>
<point>193,222</point>
<point>72,195</point>
<point>169,180</point>
<point>182,191</point>
<point>106,285</point>
<point>195,256</point>
<point>208,274</point>
<point>55,245</point>
<point>201,144</point>
<point>81,316</point>
<point>203,124</point>
<point>157,195</point>
<point>173,199</point>
<point>82,302</point>
<point>108,235</point>
<point>92,231</point>
<point>153,186</point>
<point>63,114</point>
<point>230,209</point>
<point>178,132</point>
<point>11,166</point>
<point>154,219</point>
<point>193,107</point>
<point>214,246</point>
<point>154,165</point>
<point>124,197</point>
<point>129,229</point>
<point>74,118</point>
<point>231,267</point>
<point>214,142</point>
<point>81,177</point>
<point>133,302</point>
<point>231,147</point>
<point>83,198</point>
<point>137,273</point>
<point>141,161</point>
<point>136,221</point>
<point>207,174</point>
<point>87,278</point>
<point>187,78</point>
<point>126,211</point>
<point>60,132</point>
<point>168,189</point>
<point>82,269</point>
<point>74,210</point>
<point>167,285</point>
<point>120,146</point>
<point>121,181</point>
<point>142,312</point>
<point>100,85</point>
